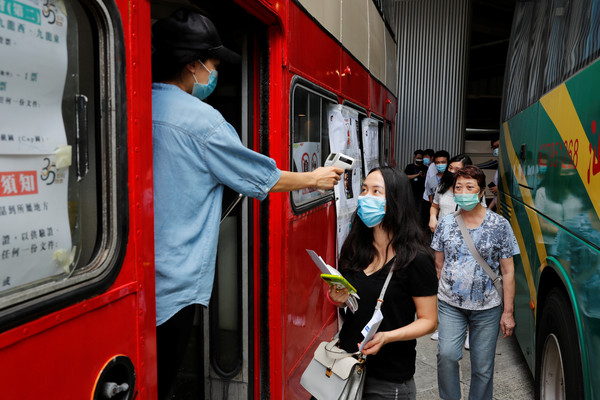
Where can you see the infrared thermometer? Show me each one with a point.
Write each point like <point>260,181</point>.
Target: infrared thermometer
<point>340,160</point>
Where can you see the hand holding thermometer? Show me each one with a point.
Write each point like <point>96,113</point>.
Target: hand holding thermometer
<point>339,160</point>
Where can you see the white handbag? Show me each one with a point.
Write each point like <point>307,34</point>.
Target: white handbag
<point>334,374</point>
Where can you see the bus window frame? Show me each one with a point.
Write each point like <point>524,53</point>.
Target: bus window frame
<point>32,300</point>
<point>298,81</point>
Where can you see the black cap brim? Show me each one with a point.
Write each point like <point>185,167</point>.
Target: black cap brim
<point>225,55</point>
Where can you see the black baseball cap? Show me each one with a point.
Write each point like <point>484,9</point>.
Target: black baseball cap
<point>186,34</point>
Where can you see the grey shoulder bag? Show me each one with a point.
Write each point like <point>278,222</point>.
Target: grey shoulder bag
<point>496,279</point>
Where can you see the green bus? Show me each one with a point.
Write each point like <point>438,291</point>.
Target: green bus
<point>549,190</point>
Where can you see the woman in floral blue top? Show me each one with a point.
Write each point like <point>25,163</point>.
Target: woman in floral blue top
<point>466,294</point>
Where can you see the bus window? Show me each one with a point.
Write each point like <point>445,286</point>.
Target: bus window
<point>310,139</point>
<point>60,224</point>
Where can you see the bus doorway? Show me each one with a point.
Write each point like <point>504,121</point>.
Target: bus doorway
<point>220,355</point>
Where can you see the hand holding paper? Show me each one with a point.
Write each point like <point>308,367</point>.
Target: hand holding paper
<point>325,269</point>
<point>370,329</point>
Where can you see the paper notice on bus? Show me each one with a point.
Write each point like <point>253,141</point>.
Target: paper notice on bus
<point>352,302</point>
<point>371,328</point>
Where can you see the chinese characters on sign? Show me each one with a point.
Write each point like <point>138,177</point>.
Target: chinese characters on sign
<point>34,221</point>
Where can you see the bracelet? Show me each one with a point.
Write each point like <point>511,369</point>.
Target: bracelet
<point>331,301</point>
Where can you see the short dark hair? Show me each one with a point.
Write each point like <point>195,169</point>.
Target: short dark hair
<point>419,151</point>
<point>428,152</point>
<point>494,138</point>
<point>442,153</point>
<point>471,172</point>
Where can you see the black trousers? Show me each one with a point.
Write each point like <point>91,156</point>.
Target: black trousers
<point>172,339</point>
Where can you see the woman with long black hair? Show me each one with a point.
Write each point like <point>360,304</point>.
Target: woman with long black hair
<point>385,235</point>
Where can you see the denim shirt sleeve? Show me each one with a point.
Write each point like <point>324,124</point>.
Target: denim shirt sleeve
<point>234,165</point>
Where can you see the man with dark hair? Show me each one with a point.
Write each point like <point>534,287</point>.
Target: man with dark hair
<point>429,174</point>
<point>440,160</point>
<point>416,174</point>
<point>195,154</point>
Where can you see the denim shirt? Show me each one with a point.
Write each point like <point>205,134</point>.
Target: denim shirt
<point>195,153</point>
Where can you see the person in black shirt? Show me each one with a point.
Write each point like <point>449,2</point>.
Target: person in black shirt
<point>416,172</point>
<point>386,234</point>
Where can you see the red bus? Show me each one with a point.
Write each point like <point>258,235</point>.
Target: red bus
<point>77,308</point>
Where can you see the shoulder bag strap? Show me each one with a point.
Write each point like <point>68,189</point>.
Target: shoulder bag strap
<point>383,289</point>
<point>377,307</point>
<point>496,279</point>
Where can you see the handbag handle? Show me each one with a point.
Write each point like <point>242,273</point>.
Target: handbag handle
<point>496,279</point>
<point>337,353</point>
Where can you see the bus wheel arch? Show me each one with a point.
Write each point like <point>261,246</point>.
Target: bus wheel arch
<point>558,364</point>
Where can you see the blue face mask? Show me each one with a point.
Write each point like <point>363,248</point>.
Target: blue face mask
<point>467,201</point>
<point>441,167</point>
<point>495,152</point>
<point>426,161</point>
<point>371,209</point>
<point>202,91</point>
<point>543,169</point>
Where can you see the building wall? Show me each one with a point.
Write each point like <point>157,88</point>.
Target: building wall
<point>359,27</point>
<point>433,46</point>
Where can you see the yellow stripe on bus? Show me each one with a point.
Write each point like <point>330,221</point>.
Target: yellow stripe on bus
<point>533,221</point>
<point>559,107</point>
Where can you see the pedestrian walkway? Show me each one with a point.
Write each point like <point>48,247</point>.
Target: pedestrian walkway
<point>512,378</point>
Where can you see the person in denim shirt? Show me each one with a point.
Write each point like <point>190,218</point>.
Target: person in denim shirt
<point>195,154</point>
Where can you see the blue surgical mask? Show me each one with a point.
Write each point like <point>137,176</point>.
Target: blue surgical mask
<point>426,161</point>
<point>202,91</point>
<point>441,167</point>
<point>543,169</point>
<point>495,152</point>
<point>467,201</point>
<point>371,209</point>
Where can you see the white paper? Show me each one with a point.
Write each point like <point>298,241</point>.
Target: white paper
<point>352,302</point>
<point>371,328</point>
<point>343,138</point>
<point>370,139</point>
<point>323,267</point>
<point>33,69</point>
<point>34,220</point>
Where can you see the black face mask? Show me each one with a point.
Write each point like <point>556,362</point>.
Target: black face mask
<point>419,161</point>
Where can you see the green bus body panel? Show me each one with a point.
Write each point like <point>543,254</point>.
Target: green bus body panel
<point>555,213</point>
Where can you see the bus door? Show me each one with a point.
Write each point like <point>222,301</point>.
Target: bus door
<point>219,361</point>
<point>76,260</point>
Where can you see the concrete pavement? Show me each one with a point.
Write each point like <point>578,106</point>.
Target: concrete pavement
<point>512,378</point>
